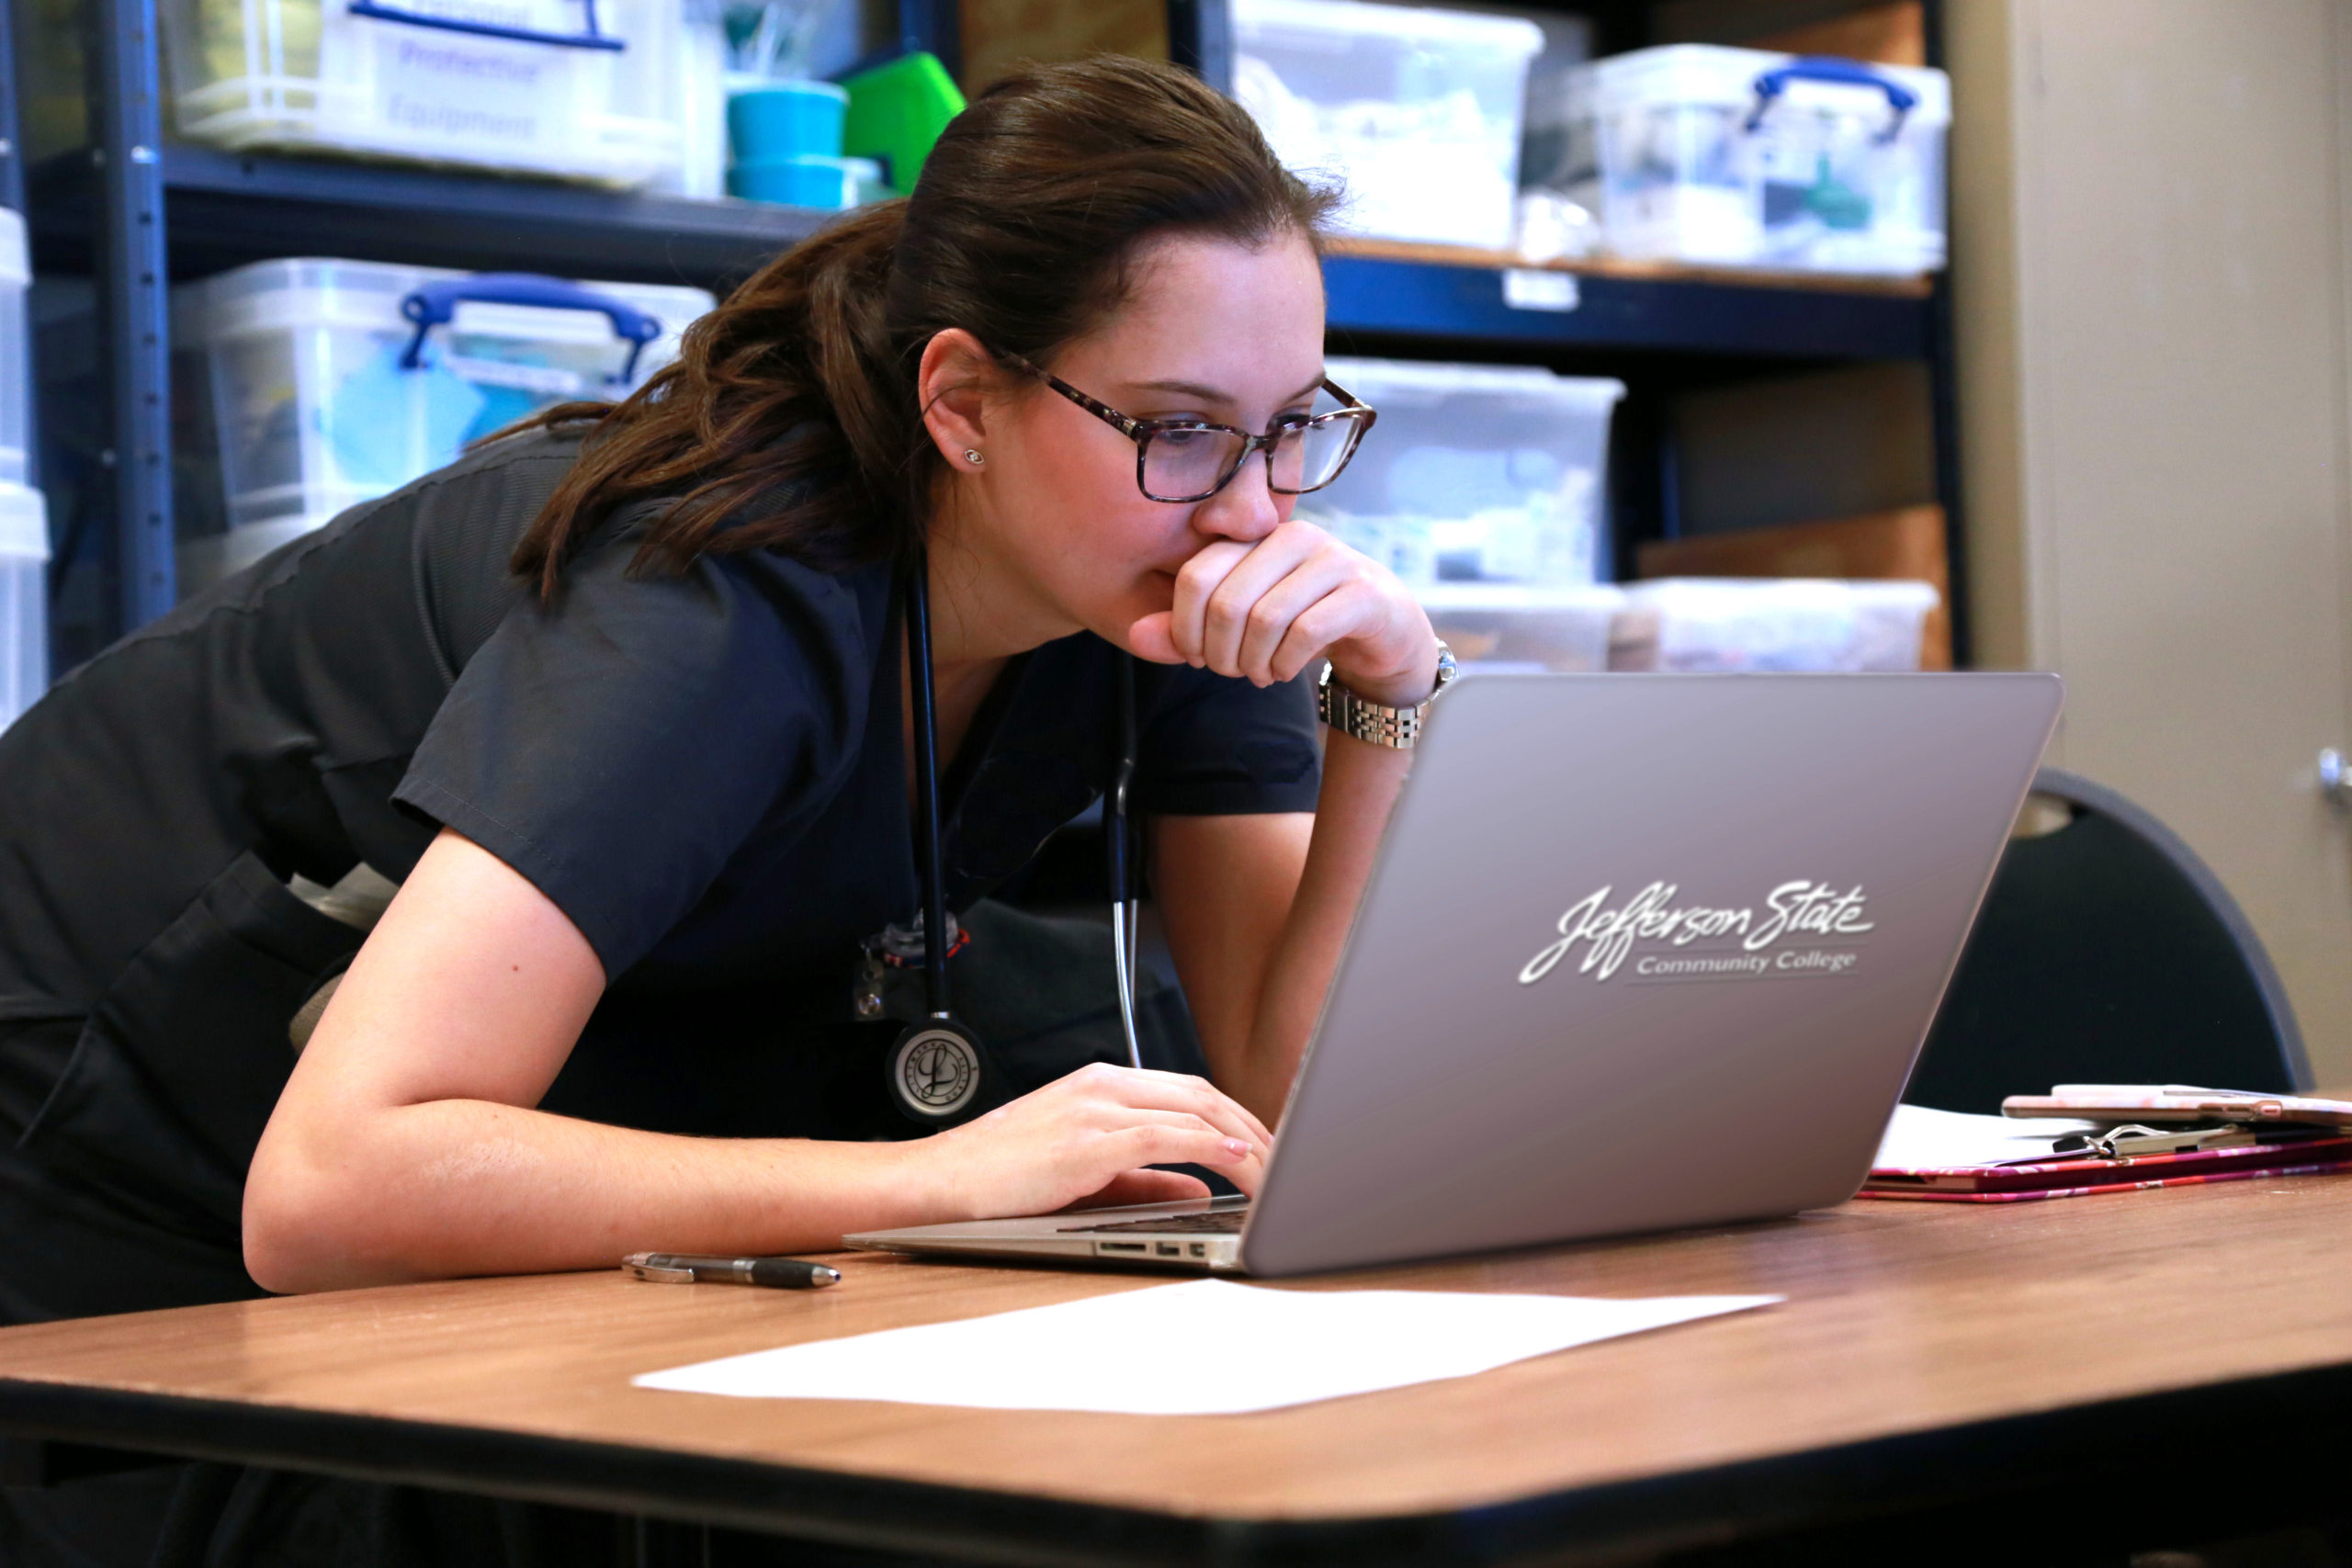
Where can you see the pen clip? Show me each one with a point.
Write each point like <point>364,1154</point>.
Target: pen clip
<point>2102,1146</point>
<point>637,1267</point>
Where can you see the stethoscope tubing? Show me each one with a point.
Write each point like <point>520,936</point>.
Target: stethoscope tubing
<point>1120,850</point>
<point>1116,823</point>
<point>926,727</point>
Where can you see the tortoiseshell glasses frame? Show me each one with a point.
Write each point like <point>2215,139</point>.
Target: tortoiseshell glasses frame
<point>1346,424</point>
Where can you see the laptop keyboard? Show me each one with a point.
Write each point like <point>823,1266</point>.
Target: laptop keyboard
<point>1216,1222</point>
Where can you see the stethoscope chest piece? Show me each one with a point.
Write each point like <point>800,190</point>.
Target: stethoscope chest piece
<point>938,1073</point>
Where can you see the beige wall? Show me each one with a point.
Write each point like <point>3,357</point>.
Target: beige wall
<point>2151,278</point>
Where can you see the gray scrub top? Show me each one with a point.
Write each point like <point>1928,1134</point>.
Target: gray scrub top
<point>703,771</point>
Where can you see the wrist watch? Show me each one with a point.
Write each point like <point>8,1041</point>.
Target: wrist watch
<point>1378,724</point>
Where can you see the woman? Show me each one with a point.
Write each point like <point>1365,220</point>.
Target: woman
<point>619,706</point>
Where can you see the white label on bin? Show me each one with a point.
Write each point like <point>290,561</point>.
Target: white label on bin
<point>433,89</point>
<point>1531,289</point>
<point>548,380</point>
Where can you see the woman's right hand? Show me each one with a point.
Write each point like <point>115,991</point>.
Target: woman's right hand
<point>1084,1140</point>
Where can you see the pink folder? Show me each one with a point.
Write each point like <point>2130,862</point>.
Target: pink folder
<point>2082,1176</point>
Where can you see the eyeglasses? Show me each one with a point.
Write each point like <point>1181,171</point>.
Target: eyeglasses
<point>1184,461</point>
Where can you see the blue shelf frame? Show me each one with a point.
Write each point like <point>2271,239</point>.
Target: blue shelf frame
<point>228,209</point>
<point>120,46</point>
<point>1465,303</point>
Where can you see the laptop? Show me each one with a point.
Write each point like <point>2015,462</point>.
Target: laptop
<point>1637,953</point>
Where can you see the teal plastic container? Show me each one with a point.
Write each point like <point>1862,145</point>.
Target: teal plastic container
<point>799,179</point>
<point>785,119</point>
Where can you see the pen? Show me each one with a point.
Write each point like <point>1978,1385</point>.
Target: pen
<point>689,1269</point>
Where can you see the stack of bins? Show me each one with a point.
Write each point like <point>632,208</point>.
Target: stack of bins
<point>24,519</point>
<point>1721,624</point>
<point>1483,488</point>
<point>321,393</point>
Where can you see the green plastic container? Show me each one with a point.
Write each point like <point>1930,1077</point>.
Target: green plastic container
<point>897,111</point>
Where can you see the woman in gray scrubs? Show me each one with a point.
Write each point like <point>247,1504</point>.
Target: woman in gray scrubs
<point>484,883</point>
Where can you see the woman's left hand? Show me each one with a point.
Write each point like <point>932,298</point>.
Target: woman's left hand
<point>1264,611</point>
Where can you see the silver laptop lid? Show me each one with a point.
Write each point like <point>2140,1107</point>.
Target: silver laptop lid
<point>1643,952</point>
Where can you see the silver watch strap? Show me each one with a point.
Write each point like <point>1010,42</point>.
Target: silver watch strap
<point>1378,724</point>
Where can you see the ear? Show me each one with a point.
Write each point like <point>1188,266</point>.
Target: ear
<point>954,382</point>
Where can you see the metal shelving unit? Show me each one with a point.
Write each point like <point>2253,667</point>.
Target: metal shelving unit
<point>226,210</point>
<point>1662,331</point>
<point>1469,301</point>
<point>134,213</point>
<point>134,300</point>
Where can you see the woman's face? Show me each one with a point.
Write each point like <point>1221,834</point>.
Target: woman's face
<point>1212,330</point>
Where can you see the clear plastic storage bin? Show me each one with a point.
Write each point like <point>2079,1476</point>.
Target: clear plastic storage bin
<point>1419,112</point>
<point>1474,473</point>
<point>24,599</point>
<point>1505,626</point>
<point>1740,157</point>
<point>16,366</point>
<point>1715,623</point>
<point>325,394</point>
<point>585,89</point>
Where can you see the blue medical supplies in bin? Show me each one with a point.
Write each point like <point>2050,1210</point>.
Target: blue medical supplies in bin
<point>334,382</point>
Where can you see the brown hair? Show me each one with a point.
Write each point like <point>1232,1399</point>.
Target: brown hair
<point>789,420</point>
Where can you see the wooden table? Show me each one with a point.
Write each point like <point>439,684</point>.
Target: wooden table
<point>2164,1346</point>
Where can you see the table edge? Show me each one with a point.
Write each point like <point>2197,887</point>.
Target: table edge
<point>1714,1504</point>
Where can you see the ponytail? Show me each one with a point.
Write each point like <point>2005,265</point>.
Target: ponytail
<point>778,393</point>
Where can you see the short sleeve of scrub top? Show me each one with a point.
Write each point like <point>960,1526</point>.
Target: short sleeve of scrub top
<point>617,745</point>
<point>1211,746</point>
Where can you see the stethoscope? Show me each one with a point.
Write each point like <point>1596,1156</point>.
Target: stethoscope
<point>939,1072</point>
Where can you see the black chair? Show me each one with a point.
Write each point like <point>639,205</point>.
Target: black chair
<point>2107,953</point>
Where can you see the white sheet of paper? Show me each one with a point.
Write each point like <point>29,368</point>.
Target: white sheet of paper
<point>1922,1139</point>
<point>1209,1347</point>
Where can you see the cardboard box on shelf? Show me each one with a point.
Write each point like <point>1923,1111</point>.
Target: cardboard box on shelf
<point>997,35</point>
<point>1893,34</point>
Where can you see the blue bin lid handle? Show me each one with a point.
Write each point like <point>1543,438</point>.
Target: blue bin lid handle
<point>1842,72</point>
<point>436,304</point>
<point>587,38</point>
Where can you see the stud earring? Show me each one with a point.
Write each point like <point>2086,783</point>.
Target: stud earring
<point>972,455</point>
